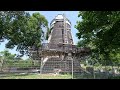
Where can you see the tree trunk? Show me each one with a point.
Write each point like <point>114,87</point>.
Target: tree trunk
<point>106,74</point>
<point>93,70</point>
<point>2,62</point>
<point>118,68</point>
<point>112,70</point>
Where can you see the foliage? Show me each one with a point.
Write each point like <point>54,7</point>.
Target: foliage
<point>7,55</point>
<point>114,77</point>
<point>21,64</point>
<point>4,57</point>
<point>100,30</point>
<point>8,60</point>
<point>22,30</point>
<point>48,33</point>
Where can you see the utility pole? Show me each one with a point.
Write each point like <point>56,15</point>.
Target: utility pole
<point>41,66</point>
<point>70,58</point>
<point>72,68</point>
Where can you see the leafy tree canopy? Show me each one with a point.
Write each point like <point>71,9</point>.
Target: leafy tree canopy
<point>100,30</point>
<point>22,30</point>
<point>7,55</point>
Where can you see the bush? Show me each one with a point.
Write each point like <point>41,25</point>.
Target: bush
<point>90,69</point>
<point>114,77</point>
<point>21,64</point>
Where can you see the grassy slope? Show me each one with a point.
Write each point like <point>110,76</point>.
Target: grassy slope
<point>35,76</point>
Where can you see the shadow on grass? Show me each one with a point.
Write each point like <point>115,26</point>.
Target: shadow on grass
<point>68,75</point>
<point>13,74</point>
<point>90,76</point>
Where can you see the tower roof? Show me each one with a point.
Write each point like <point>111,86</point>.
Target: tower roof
<point>60,17</point>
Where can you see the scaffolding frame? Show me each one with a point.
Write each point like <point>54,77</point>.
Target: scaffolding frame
<point>63,52</point>
<point>60,53</point>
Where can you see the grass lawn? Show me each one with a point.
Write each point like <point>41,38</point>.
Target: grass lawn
<point>34,76</point>
<point>52,76</point>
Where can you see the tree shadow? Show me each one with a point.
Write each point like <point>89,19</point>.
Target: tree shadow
<point>13,74</point>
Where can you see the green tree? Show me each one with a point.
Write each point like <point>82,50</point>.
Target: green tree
<point>48,33</point>
<point>100,30</point>
<point>5,56</point>
<point>22,30</point>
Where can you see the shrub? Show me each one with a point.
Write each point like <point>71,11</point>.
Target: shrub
<point>114,77</point>
<point>90,69</point>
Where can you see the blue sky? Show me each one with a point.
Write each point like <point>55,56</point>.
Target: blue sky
<point>71,15</point>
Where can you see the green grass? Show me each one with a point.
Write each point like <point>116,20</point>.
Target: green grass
<point>45,76</point>
<point>35,76</point>
<point>53,76</point>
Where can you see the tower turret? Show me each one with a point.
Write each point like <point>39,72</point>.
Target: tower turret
<point>60,28</point>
